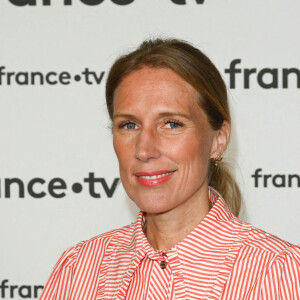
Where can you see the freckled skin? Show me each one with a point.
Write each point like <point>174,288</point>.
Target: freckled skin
<point>151,144</point>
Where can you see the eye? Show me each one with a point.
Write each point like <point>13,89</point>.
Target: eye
<point>173,124</point>
<point>128,125</point>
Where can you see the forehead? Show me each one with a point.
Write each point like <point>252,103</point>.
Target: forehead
<point>155,87</point>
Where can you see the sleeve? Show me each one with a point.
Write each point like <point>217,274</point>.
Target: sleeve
<point>59,284</point>
<point>282,281</point>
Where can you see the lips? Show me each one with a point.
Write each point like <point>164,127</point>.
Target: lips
<point>150,179</point>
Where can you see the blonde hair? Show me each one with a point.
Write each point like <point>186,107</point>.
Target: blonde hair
<point>197,69</point>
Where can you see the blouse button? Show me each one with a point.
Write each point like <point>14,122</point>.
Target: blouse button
<point>163,264</point>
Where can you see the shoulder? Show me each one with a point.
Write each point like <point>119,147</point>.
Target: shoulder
<point>270,252</point>
<point>269,265</point>
<point>86,257</point>
<point>265,242</point>
<point>96,247</point>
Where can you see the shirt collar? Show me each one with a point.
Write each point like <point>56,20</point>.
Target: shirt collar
<point>212,223</point>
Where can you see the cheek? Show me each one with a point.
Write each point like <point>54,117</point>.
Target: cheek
<point>124,152</point>
<point>192,148</point>
<point>120,150</point>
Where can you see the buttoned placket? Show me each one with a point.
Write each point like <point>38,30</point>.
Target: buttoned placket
<point>164,261</point>
<point>168,262</point>
<point>162,258</point>
<point>155,255</point>
<point>171,263</point>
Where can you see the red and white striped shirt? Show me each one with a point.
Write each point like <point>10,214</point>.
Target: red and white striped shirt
<point>222,258</point>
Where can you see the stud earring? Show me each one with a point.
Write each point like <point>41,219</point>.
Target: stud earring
<point>217,159</point>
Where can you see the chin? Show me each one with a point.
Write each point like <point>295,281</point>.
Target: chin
<point>152,206</point>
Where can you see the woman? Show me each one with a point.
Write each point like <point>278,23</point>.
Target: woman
<point>171,124</point>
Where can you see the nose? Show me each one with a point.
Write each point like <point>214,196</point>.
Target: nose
<point>147,145</point>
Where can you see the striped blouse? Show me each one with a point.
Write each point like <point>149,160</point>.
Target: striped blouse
<point>222,258</point>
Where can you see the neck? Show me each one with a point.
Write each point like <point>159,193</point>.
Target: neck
<point>164,230</point>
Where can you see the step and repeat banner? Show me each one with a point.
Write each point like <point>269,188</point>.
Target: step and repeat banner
<point>59,178</point>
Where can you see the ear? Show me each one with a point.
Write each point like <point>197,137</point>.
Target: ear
<point>220,140</point>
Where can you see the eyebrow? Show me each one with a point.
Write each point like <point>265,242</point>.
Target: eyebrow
<point>126,116</point>
<point>160,115</point>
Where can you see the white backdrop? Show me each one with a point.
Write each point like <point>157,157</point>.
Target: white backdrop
<point>60,129</point>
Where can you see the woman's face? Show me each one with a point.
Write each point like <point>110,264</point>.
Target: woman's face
<point>162,139</point>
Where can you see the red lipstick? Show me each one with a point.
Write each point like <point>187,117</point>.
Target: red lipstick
<point>154,178</point>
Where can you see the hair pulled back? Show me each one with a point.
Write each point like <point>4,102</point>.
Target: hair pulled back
<point>197,69</point>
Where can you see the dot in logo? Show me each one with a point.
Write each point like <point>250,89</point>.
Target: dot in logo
<point>77,187</point>
<point>77,77</point>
